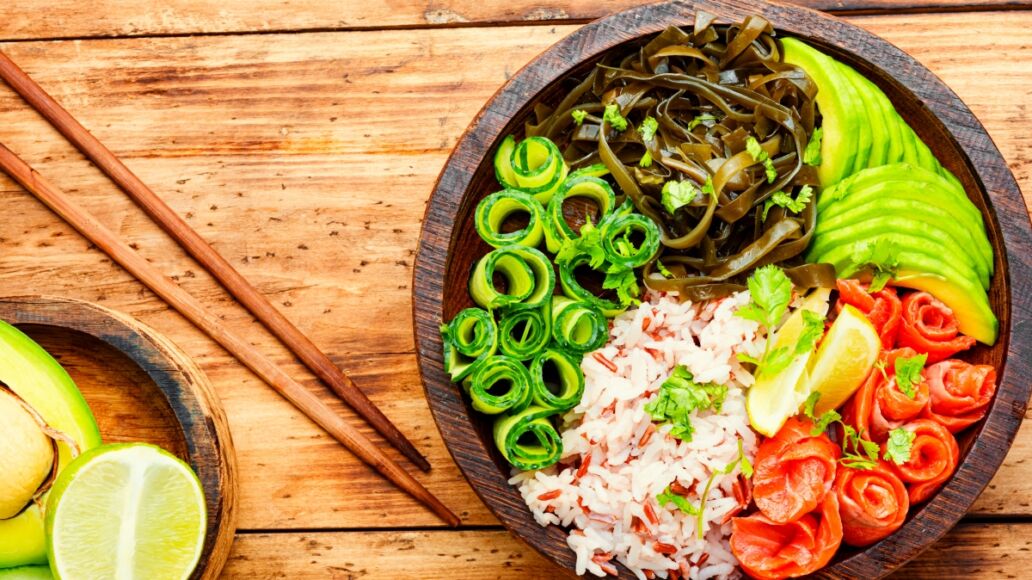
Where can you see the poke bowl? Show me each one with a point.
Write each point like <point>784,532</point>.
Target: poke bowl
<point>645,130</point>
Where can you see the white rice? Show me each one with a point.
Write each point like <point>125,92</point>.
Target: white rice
<point>624,477</point>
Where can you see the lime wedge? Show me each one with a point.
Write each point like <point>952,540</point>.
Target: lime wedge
<point>123,512</point>
<point>844,359</point>
<point>775,398</point>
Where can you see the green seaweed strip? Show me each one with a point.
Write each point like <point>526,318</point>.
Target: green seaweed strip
<point>468,339</point>
<point>499,373</point>
<point>557,230</point>
<point>570,388</point>
<point>493,210</point>
<point>529,278</point>
<point>524,332</point>
<point>616,235</point>
<point>532,422</point>
<point>577,326</point>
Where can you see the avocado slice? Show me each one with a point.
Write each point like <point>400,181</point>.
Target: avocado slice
<point>924,233</point>
<point>923,197</point>
<point>840,119</point>
<point>876,120</point>
<point>889,130</point>
<point>912,203</point>
<point>925,157</point>
<point>39,380</point>
<point>924,271</point>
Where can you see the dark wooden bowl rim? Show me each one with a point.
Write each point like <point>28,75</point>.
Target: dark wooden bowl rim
<point>946,124</point>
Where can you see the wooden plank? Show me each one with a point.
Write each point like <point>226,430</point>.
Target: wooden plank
<point>307,160</point>
<point>44,19</point>
<point>969,551</point>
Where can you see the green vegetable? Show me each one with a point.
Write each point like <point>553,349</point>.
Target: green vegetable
<point>557,230</point>
<point>899,445</point>
<point>677,194</point>
<point>525,332</point>
<point>646,159</point>
<point>625,282</point>
<point>617,233</point>
<point>908,373</point>
<point>698,120</point>
<point>648,129</point>
<point>612,116</point>
<point>470,338</point>
<point>747,471</point>
<point>500,383</point>
<point>679,501</point>
<point>527,439</point>
<point>812,153</point>
<point>529,278</point>
<point>785,200</point>
<point>493,210</point>
<point>760,155</point>
<point>778,359</point>
<point>567,388</point>
<point>575,291</point>
<point>679,396</point>
<point>770,291</point>
<point>534,166</point>
<point>578,116</point>
<point>857,452</point>
<point>577,326</point>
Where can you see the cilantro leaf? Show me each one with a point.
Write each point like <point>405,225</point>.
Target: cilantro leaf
<point>881,255</point>
<point>747,469</point>
<point>646,159</point>
<point>707,188</point>
<point>682,504</point>
<point>624,282</point>
<point>824,421</point>
<point>648,129</point>
<point>776,360</point>
<point>810,406</point>
<point>770,292</point>
<point>880,365</point>
<point>578,116</point>
<point>878,281</point>
<point>812,153</point>
<point>813,330</point>
<point>612,116</point>
<point>679,396</point>
<point>699,120</point>
<point>785,200</point>
<point>663,270</point>
<point>899,445</point>
<point>768,168</point>
<point>908,373</point>
<point>677,194</point>
<point>755,149</point>
<point>588,242</point>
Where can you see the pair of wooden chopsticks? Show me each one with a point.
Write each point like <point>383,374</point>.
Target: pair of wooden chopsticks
<point>232,280</point>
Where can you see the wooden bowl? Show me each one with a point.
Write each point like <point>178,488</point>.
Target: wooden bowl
<point>142,387</point>
<point>449,245</point>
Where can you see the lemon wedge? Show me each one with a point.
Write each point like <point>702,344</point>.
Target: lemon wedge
<point>775,398</point>
<point>843,360</point>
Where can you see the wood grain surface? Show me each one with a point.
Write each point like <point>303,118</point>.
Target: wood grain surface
<point>307,159</point>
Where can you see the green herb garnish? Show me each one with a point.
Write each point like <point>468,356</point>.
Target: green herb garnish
<point>578,116</point>
<point>881,256</point>
<point>785,200</point>
<point>589,242</point>
<point>624,282</point>
<point>679,396</point>
<point>646,159</point>
<point>699,120</point>
<point>648,129</point>
<point>760,156</point>
<point>812,153</point>
<point>908,373</point>
<point>677,194</point>
<point>612,116</point>
<point>857,452</point>
<point>898,446</point>
<point>663,270</point>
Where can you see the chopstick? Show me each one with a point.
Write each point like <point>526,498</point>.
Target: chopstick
<point>189,307</point>
<point>211,260</point>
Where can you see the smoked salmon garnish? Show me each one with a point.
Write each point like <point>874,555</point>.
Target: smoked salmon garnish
<point>879,406</point>
<point>882,308</point>
<point>794,471</point>
<point>767,550</point>
<point>933,458</point>
<point>960,393</point>
<point>929,326</point>
<point>873,503</point>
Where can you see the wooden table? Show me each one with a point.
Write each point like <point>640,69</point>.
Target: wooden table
<point>302,139</point>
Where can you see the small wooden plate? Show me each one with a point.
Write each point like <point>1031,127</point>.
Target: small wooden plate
<point>449,245</point>
<point>142,387</point>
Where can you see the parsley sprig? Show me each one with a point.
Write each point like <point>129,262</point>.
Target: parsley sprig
<point>857,452</point>
<point>760,156</point>
<point>785,200</point>
<point>679,396</point>
<point>771,291</point>
<point>908,373</point>
<point>699,511</point>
